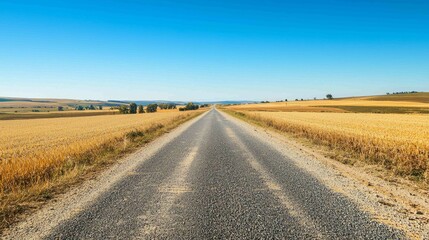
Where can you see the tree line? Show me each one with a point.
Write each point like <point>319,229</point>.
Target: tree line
<point>133,108</point>
<point>328,96</point>
<point>402,92</point>
<point>81,108</point>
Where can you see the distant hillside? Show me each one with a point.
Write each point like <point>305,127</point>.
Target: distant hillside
<point>421,97</point>
<point>11,102</point>
<point>228,102</point>
<point>146,102</point>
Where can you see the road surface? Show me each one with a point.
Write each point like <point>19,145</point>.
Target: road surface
<point>214,181</point>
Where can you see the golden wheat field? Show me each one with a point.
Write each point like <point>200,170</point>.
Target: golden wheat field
<point>31,148</point>
<point>329,105</point>
<point>398,141</point>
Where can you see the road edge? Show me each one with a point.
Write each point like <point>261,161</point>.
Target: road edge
<point>40,222</point>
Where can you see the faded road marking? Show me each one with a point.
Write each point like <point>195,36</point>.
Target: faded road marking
<point>293,209</point>
<point>159,218</point>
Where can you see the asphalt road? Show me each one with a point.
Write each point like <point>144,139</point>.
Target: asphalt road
<point>217,181</point>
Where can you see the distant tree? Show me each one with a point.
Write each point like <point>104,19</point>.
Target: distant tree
<point>141,109</point>
<point>182,109</point>
<point>329,96</point>
<point>133,108</point>
<point>91,107</point>
<point>123,109</point>
<point>79,108</point>
<point>302,99</point>
<point>162,106</point>
<point>191,106</point>
<point>171,106</point>
<point>152,107</point>
<point>286,100</point>
<point>296,99</point>
<point>387,93</point>
<point>100,107</point>
<point>60,108</point>
<point>315,98</point>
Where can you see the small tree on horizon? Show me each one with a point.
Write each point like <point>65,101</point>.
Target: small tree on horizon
<point>133,108</point>
<point>329,96</point>
<point>151,108</point>
<point>123,109</point>
<point>141,109</point>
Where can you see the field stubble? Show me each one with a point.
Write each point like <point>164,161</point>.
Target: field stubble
<point>399,142</point>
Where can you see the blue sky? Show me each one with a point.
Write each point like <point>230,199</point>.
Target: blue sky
<point>212,50</point>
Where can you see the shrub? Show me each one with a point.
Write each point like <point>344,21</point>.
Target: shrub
<point>141,109</point>
<point>152,107</point>
<point>191,106</point>
<point>123,109</point>
<point>133,108</point>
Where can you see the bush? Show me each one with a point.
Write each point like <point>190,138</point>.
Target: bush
<point>90,107</point>
<point>123,109</point>
<point>167,106</point>
<point>141,109</point>
<point>191,106</point>
<point>152,107</point>
<point>133,108</point>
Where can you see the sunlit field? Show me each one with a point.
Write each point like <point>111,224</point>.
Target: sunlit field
<point>36,154</point>
<point>406,103</point>
<point>399,142</point>
<point>31,147</point>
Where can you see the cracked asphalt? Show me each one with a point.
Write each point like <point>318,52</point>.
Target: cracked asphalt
<point>217,181</point>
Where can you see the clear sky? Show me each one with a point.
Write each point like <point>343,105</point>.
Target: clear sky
<point>212,50</point>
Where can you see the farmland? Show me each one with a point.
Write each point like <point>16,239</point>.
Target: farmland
<point>401,103</point>
<point>54,114</point>
<point>38,156</point>
<point>397,140</point>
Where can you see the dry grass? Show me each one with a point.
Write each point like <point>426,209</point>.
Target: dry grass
<point>422,97</point>
<point>399,142</point>
<point>40,156</point>
<point>419,101</point>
